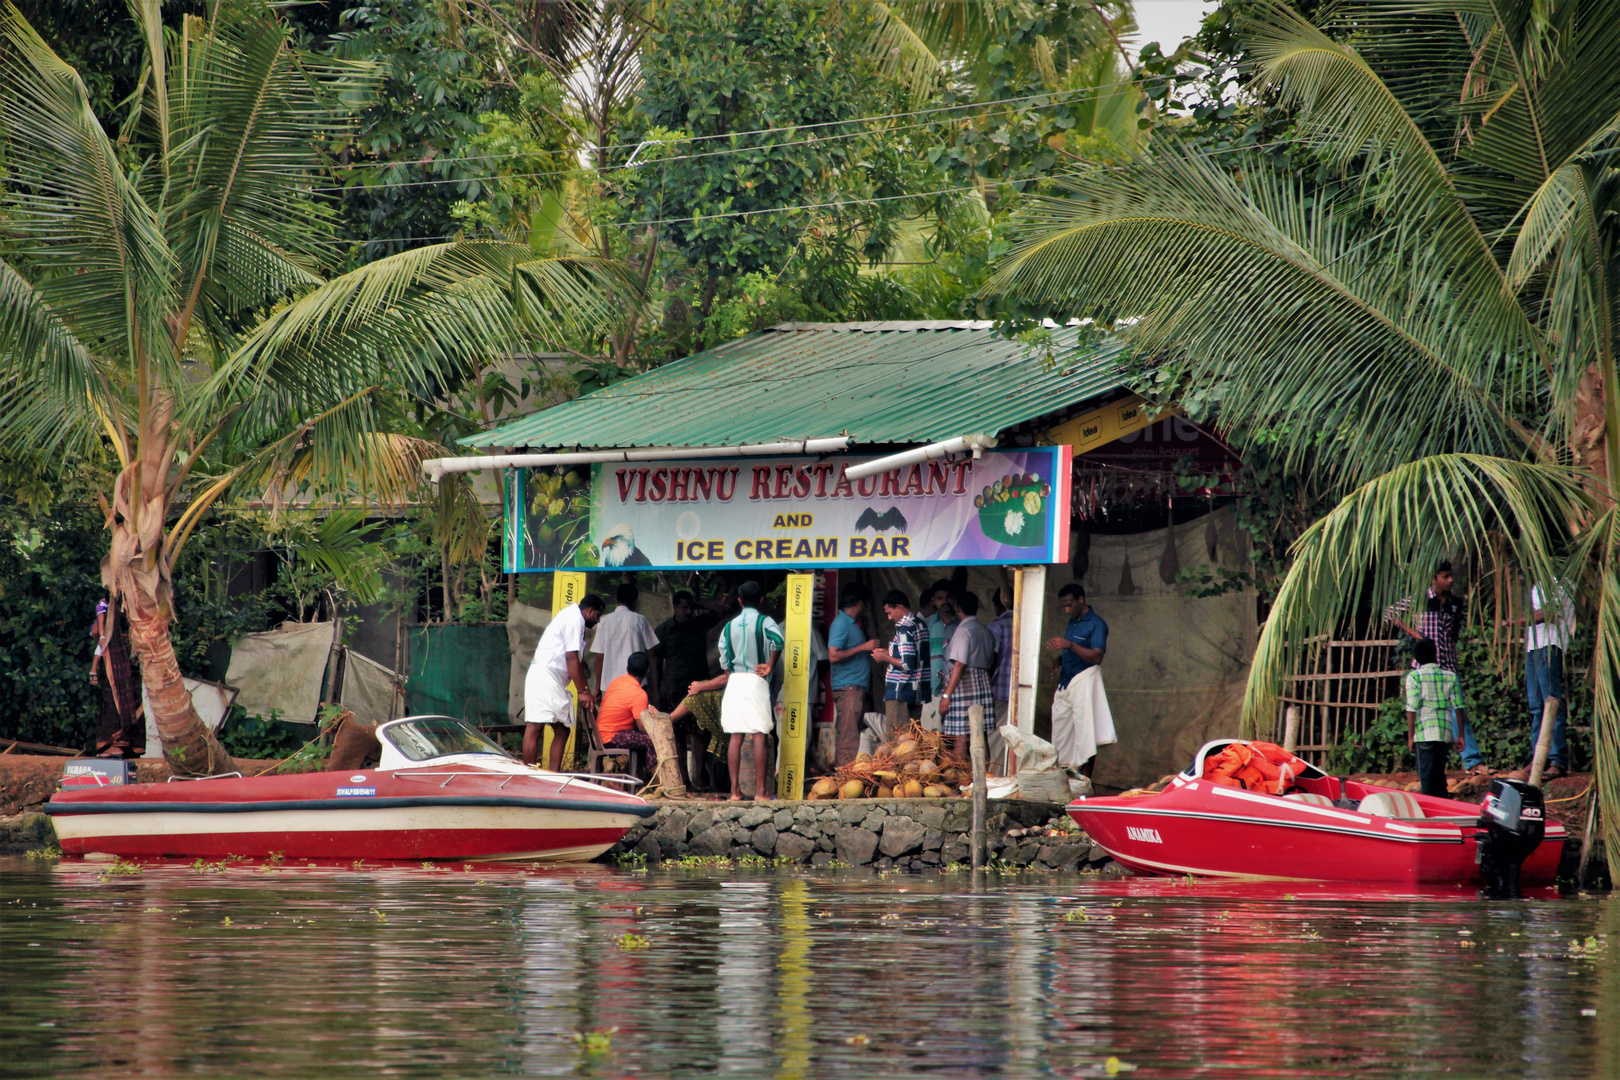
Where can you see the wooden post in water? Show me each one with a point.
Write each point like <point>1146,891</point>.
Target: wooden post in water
<point>1586,838</point>
<point>1549,713</point>
<point>980,792</point>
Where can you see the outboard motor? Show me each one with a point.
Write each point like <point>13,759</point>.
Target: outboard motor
<point>1512,824</point>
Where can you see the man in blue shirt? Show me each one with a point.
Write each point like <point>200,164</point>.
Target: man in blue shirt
<point>1079,726</point>
<point>850,651</point>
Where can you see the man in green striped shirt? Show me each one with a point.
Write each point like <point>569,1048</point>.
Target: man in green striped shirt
<point>1434,715</point>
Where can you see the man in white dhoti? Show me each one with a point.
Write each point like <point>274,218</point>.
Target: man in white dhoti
<point>749,646</point>
<point>1081,720</point>
<point>555,666</point>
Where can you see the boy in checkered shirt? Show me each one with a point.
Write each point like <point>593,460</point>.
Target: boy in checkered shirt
<point>1434,716</point>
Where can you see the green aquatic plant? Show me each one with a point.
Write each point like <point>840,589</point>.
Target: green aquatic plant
<point>50,851</point>
<point>700,862</point>
<point>120,868</point>
<point>595,1042</point>
<point>631,942</point>
<point>1588,949</point>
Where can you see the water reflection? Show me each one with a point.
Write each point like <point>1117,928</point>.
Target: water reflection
<point>495,971</point>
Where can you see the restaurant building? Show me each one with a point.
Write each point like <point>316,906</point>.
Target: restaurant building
<point>894,454</point>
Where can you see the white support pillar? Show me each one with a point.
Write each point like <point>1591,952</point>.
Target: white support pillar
<point>1029,587</point>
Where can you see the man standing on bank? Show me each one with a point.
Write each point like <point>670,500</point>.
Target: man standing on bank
<point>749,646</point>
<point>972,654</point>
<point>623,632</point>
<point>850,651</point>
<point>1440,619</point>
<point>942,623</point>
<point>906,683</point>
<point>1552,624</point>
<point>556,666</point>
<point>1081,718</point>
<point>1433,699</point>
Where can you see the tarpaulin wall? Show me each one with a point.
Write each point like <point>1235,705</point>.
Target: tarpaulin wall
<point>459,671</point>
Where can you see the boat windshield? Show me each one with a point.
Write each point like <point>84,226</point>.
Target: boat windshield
<point>438,736</point>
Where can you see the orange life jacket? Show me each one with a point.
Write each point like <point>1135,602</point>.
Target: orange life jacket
<point>1255,766</point>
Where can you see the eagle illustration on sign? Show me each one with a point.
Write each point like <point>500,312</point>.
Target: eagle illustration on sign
<point>889,519</point>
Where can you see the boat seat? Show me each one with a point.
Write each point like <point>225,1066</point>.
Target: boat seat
<point>1390,804</point>
<point>1309,797</point>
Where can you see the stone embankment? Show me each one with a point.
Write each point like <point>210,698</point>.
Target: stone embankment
<point>913,834</point>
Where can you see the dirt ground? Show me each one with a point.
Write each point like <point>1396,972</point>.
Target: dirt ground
<point>27,780</point>
<point>1565,801</point>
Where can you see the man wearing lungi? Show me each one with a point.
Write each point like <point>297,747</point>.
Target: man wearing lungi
<point>1081,719</point>
<point>749,646</point>
<point>555,667</point>
<point>971,654</point>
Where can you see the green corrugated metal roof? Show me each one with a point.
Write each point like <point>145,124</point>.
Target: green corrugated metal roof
<point>878,383</point>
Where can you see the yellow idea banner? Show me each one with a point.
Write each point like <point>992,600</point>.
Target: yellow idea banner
<point>796,665</point>
<point>1102,426</point>
<point>567,588</point>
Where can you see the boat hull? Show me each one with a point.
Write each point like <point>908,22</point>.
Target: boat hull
<point>449,815</point>
<point>1203,829</point>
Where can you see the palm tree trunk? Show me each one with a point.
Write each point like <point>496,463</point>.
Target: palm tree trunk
<point>137,573</point>
<point>188,746</point>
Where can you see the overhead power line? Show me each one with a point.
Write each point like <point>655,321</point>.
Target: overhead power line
<point>1051,94</point>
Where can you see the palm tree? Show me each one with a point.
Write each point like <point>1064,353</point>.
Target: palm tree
<point>1430,329</point>
<point>164,301</point>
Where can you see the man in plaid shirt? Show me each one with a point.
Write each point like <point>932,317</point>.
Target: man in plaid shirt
<point>1433,698</point>
<point>906,684</point>
<point>1440,618</point>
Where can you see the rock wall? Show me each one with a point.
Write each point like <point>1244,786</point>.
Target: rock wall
<point>910,833</point>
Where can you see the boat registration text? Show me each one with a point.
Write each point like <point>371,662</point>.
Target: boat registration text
<point>1147,836</point>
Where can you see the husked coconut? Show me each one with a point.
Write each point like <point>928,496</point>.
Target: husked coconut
<point>852,789</point>
<point>914,789</point>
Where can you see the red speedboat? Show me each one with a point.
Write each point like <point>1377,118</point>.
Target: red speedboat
<point>441,790</point>
<point>1323,829</point>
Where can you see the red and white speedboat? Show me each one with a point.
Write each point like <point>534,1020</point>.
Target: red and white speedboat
<point>1324,829</point>
<point>441,790</point>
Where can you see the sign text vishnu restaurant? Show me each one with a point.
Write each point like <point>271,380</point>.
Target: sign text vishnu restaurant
<point>1005,506</point>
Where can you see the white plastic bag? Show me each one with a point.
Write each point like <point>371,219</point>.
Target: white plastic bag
<point>1034,754</point>
<point>1001,787</point>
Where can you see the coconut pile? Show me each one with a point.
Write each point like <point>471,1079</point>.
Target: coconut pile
<point>913,764</point>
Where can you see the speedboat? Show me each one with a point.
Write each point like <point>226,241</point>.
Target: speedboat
<point>1324,828</point>
<point>440,790</point>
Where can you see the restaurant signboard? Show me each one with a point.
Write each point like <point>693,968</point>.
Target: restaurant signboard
<point>1004,507</point>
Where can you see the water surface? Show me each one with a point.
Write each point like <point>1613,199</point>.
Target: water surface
<point>492,971</point>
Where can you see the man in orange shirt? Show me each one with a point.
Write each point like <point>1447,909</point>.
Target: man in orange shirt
<point>618,718</point>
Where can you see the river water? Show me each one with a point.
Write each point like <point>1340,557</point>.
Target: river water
<point>488,971</point>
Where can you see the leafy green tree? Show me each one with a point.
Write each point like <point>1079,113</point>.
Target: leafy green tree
<point>740,115</point>
<point>415,141</point>
<point>166,303</point>
<point>1440,306</point>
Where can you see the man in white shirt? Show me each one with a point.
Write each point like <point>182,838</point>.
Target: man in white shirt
<point>620,634</point>
<point>556,666</point>
<point>1551,624</point>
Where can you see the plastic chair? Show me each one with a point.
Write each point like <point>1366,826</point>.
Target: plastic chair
<point>635,760</point>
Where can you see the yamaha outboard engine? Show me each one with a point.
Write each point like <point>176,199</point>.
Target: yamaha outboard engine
<point>1512,825</point>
